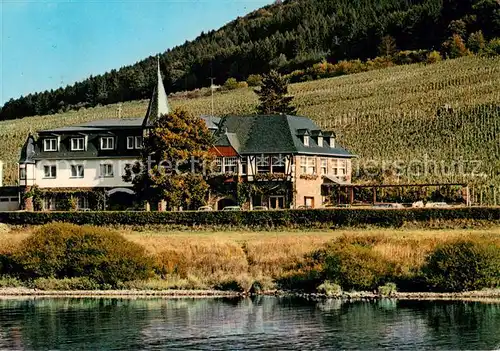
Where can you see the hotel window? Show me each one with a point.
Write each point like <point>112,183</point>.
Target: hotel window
<point>82,202</point>
<point>138,142</point>
<point>107,143</point>
<point>77,144</point>
<point>311,165</point>
<point>77,171</point>
<point>130,142</point>
<point>278,164</point>
<point>324,166</point>
<point>49,203</point>
<point>107,171</point>
<point>244,166</point>
<point>218,165</point>
<point>22,173</point>
<point>332,142</point>
<point>230,164</point>
<point>303,165</point>
<point>50,144</point>
<point>320,141</point>
<point>339,167</point>
<point>49,171</point>
<point>306,140</point>
<point>263,164</point>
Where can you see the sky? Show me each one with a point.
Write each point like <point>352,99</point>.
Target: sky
<point>48,44</point>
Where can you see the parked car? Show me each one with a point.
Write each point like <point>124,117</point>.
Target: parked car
<point>304,207</point>
<point>205,208</point>
<point>260,208</point>
<point>388,205</point>
<point>232,208</point>
<point>437,204</point>
<point>134,209</point>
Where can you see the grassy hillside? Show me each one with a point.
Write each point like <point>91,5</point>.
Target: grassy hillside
<point>395,114</point>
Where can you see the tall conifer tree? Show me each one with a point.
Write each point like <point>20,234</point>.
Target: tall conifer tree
<point>273,95</point>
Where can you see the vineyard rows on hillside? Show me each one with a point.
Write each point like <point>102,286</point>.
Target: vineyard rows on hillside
<point>444,112</point>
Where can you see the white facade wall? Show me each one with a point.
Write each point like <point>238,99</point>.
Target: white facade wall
<point>92,173</point>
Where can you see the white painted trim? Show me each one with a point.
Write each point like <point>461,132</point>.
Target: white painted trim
<point>112,143</point>
<point>120,190</point>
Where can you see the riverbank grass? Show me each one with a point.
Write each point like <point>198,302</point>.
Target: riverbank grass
<point>244,261</point>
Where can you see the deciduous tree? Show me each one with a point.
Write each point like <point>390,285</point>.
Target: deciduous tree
<point>175,153</point>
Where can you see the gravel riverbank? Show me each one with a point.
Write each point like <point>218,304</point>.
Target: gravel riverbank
<point>26,292</point>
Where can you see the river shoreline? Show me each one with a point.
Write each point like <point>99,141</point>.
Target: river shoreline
<point>9,293</point>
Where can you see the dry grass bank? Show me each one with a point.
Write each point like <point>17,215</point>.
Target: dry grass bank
<point>207,259</point>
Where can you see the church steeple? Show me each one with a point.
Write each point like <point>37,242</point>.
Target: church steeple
<point>158,105</point>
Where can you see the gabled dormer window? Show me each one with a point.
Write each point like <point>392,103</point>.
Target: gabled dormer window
<point>320,141</point>
<point>107,143</point>
<point>50,144</point>
<point>332,142</point>
<point>306,140</point>
<point>130,142</point>
<point>134,142</point>
<point>138,142</point>
<point>78,144</point>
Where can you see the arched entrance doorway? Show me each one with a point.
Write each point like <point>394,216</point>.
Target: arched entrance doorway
<point>225,202</point>
<point>120,199</point>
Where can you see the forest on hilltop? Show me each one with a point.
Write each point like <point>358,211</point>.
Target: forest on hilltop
<point>286,35</point>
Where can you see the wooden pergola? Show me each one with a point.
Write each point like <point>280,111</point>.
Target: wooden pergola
<point>351,188</point>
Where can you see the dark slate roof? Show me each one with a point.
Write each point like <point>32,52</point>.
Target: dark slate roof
<point>98,126</point>
<point>212,122</point>
<point>228,139</point>
<point>120,128</point>
<point>275,134</point>
<point>111,123</point>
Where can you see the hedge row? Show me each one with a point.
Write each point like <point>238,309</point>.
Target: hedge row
<point>286,218</point>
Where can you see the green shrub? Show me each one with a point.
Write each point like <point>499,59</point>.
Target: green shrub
<point>455,47</point>
<point>231,84</point>
<point>476,42</point>
<point>9,282</point>
<point>242,85</point>
<point>388,289</point>
<point>67,251</point>
<point>493,47</point>
<point>306,274</point>
<point>356,267</point>
<point>254,80</point>
<point>463,266</point>
<point>80,283</point>
<point>434,56</point>
<point>330,289</point>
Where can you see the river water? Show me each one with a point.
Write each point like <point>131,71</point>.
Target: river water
<point>244,324</point>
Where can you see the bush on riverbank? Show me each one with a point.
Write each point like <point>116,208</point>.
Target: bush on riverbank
<point>356,267</point>
<point>368,262</point>
<point>463,266</point>
<point>69,251</point>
